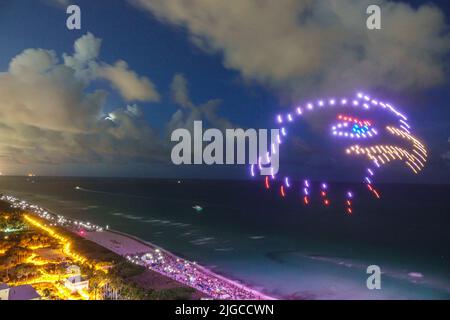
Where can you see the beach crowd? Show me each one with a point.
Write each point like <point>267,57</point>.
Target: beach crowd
<point>190,274</point>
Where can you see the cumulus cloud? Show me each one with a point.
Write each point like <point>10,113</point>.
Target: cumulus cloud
<point>130,85</point>
<point>190,112</point>
<point>296,46</point>
<point>84,59</point>
<point>49,114</point>
<point>37,91</point>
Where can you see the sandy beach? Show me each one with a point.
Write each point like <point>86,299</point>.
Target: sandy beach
<point>127,245</point>
<point>117,243</point>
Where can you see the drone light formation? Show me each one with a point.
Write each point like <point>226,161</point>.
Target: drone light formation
<point>348,202</point>
<point>323,193</point>
<point>414,155</point>
<point>351,127</point>
<point>306,192</point>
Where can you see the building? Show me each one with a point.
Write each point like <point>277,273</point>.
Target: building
<point>76,283</point>
<point>4,291</point>
<point>24,292</point>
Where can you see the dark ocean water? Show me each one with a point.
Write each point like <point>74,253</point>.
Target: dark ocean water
<point>276,245</point>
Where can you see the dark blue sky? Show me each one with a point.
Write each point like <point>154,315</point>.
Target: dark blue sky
<point>159,51</point>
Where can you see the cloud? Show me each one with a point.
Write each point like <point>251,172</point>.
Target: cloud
<point>37,91</point>
<point>49,114</point>
<point>180,92</point>
<point>190,112</point>
<point>32,61</point>
<point>130,85</point>
<point>84,60</point>
<point>298,46</point>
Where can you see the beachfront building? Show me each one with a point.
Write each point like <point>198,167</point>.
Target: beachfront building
<point>76,283</point>
<point>73,269</point>
<point>4,291</point>
<point>24,292</point>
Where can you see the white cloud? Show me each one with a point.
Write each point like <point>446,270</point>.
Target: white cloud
<point>37,91</point>
<point>84,60</point>
<point>48,114</point>
<point>130,85</point>
<point>297,46</point>
<point>32,61</point>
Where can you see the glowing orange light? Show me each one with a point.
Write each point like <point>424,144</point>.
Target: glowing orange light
<point>282,191</point>
<point>376,194</point>
<point>305,200</point>
<point>267,182</point>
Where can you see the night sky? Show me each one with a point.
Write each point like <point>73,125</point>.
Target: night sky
<point>142,68</point>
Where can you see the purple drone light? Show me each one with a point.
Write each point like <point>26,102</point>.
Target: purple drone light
<point>289,116</point>
<point>286,182</point>
<point>280,119</point>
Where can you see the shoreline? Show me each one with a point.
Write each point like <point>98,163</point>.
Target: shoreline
<point>153,246</point>
<point>127,245</point>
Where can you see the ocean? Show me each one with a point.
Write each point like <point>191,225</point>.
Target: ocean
<point>276,245</point>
